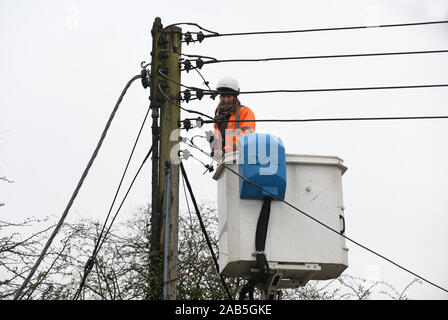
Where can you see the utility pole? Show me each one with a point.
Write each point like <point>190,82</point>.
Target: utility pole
<point>166,48</point>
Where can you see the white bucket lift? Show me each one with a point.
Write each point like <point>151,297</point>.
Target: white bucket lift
<point>298,249</point>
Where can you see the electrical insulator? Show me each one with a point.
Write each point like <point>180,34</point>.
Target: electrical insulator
<point>187,124</point>
<point>187,64</point>
<point>188,37</point>
<point>145,78</point>
<point>184,154</point>
<point>199,63</point>
<point>199,94</point>
<point>187,95</point>
<point>209,169</point>
<point>199,122</point>
<point>200,36</point>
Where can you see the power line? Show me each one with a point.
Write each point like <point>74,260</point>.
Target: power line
<point>91,260</point>
<point>356,55</point>
<point>96,249</point>
<point>178,105</point>
<point>189,24</point>
<point>345,89</point>
<point>178,83</point>
<point>201,121</point>
<point>101,239</point>
<point>204,231</point>
<point>323,224</point>
<point>325,29</point>
<point>213,93</point>
<point>203,79</point>
<point>78,187</point>
<point>187,69</point>
<point>186,200</point>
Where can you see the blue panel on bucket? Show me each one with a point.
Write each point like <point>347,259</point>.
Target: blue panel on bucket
<point>262,160</point>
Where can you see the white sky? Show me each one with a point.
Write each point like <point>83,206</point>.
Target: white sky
<point>63,65</point>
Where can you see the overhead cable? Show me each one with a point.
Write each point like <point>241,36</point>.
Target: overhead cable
<point>213,93</point>
<point>355,55</point>
<point>190,24</point>
<point>200,121</point>
<point>91,260</point>
<point>346,89</point>
<point>203,79</point>
<point>179,106</point>
<point>75,192</point>
<point>178,83</point>
<point>411,24</point>
<point>204,231</point>
<point>102,238</point>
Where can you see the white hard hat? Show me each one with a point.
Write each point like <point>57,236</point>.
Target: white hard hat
<point>228,85</point>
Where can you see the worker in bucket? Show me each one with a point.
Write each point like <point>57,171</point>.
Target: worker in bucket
<point>230,118</point>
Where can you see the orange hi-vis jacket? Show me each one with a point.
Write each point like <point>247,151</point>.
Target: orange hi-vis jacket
<point>233,130</point>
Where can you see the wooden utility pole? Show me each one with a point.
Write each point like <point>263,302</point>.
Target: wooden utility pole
<point>164,95</point>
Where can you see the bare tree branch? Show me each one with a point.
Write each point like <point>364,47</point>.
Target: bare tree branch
<point>6,179</point>
<point>122,269</point>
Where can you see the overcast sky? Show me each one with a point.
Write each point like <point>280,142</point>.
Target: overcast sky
<point>63,65</point>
